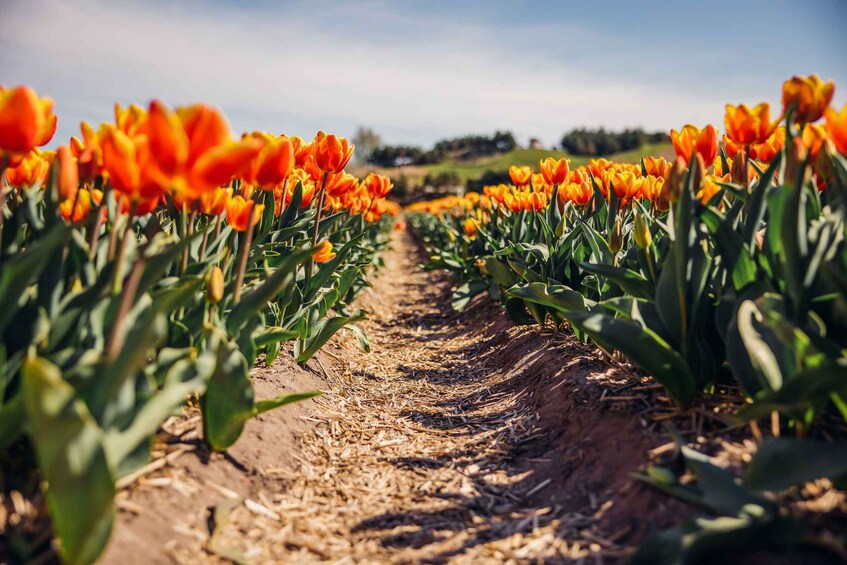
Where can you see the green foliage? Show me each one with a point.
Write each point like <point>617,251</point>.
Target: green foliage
<point>108,328</point>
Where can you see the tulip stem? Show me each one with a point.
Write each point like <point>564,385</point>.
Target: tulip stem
<point>218,226</point>
<point>2,204</point>
<point>205,241</point>
<point>94,236</point>
<point>189,231</point>
<point>122,248</point>
<point>321,197</point>
<point>243,252</point>
<point>650,264</point>
<point>116,335</point>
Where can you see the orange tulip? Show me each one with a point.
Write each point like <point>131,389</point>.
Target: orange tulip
<point>308,190</point>
<point>26,122</point>
<point>213,202</point>
<point>692,139</point>
<point>625,184</point>
<point>240,213</point>
<point>88,153</point>
<point>332,153</point>
<point>339,184</point>
<point>470,228</point>
<point>709,187</point>
<point>521,176</point>
<point>323,252</point>
<point>129,120</point>
<point>748,125</point>
<point>766,151</point>
<point>81,204</point>
<point>139,207</point>
<point>598,166</point>
<point>555,171</point>
<point>378,185</point>
<point>657,166</point>
<point>809,96</point>
<point>31,169</point>
<point>302,150</point>
<point>273,164</point>
<point>814,136</point>
<point>192,149</point>
<point>836,126</point>
<point>731,148</point>
<point>68,173</point>
<point>651,187</point>
<point>128,162</point>
<point>538,201</point>
<point>580,193</point>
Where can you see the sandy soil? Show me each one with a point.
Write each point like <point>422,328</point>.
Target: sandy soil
<point>458,438</point>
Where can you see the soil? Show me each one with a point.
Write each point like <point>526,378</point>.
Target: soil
<point>458,438</point>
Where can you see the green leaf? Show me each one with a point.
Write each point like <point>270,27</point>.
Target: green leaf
<point>256,300</point>
<point>228,402</point>
<point>185,377</point>
<point>558,297</point>
<point>18,272</point>
<point>361,337</point>
<point>273,335</point>
<point>628,280</point>
<point>72,461</point>
<point>781,463</point>
<point>644,348</point>
<point>464,294</point>
<point>265,405</point>
<point>501,272</point>
<point>322,331</point>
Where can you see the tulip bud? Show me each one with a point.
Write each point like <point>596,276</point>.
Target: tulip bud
<point>641,231</point>
<point>673,187</point>
<point>616,239</point>
<point>215,285</point>
<point>68,173</point>
<point>796,167</point>
<point>481,265</point>
<point>738,170</point>
<point>698,173</point>
<point>562,227</point>
<point>824,167</point>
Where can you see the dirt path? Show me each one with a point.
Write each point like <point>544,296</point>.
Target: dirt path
<point>458,438</point>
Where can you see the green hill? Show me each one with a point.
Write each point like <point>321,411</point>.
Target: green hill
<point>474,168</point>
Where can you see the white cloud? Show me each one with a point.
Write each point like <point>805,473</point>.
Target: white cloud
<point>299,68</point>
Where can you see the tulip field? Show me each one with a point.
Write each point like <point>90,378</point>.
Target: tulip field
<point>154,261</point>
<point>724,268</point>
<point>150,264</point>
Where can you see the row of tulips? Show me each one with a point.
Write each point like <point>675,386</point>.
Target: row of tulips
<point>725,267</point>
<point>153,260</point>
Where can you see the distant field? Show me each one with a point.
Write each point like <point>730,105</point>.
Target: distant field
<point>473,169</point>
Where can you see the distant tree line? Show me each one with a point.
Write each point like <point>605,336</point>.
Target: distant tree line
<point>581,141</point>
<point>599,142</point>
<point>468,147</point>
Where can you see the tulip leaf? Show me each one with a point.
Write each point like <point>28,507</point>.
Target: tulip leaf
<point>228,402</point>
<point>258,297</point>
<point>72,460</point>
<point>628,280</point>
<point>322,331</point>
<point>643,347</point>
<point>264,405</point>
<point>558,297</point>
<point>19,271</point>
<point>781,463</point>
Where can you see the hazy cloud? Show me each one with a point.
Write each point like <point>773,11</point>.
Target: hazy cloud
<point>302,66</point>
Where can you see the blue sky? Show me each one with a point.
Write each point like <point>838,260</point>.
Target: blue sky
<point>419,71</point>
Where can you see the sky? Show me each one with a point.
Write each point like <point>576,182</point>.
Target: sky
<point>417,72</point>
